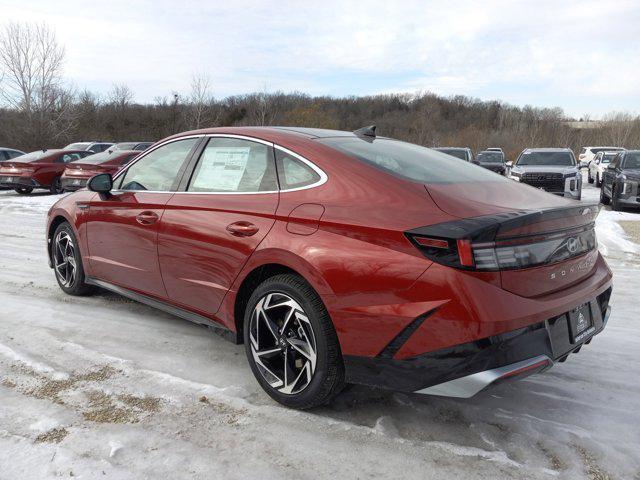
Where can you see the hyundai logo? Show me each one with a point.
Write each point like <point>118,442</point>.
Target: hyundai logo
<point>572,244</point>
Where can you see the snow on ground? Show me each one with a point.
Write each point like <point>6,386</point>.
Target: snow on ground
<point>102,387</point>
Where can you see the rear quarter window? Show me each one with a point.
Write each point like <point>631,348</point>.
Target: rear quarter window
<point>412,162</point>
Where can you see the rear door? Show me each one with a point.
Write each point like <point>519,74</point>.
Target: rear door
<point>209,230</point>
<point>122,228</point>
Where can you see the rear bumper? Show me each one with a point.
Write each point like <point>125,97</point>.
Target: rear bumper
<point>464,370</point>
<point>15,182</point>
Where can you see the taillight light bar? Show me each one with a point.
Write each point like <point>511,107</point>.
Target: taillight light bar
<point>518,252</point>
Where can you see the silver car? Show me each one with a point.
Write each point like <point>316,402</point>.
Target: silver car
<point>554,170</point>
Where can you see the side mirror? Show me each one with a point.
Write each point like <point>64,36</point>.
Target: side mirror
<point>101,183</point>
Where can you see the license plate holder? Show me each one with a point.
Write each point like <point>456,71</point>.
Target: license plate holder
<point>581,323</point>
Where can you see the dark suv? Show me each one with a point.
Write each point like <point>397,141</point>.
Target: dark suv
<point>553,170</point>
<point>620,181</point>
<point>492,160</point>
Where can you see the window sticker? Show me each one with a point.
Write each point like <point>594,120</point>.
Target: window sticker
<point>222,168</point>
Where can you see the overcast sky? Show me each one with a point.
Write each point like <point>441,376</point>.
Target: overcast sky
<point>583,56</point>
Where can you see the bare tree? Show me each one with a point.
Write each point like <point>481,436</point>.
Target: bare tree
<point>31,61</point>
<point>200,111</point>
<point>120,95</point>
<point>617,127</point>
<point>264,109</point>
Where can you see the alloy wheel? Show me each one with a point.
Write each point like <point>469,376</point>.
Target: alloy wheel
<point>283,343</point>
<point>64,259</point>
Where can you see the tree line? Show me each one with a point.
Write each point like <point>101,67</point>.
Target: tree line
<point>38,110</point>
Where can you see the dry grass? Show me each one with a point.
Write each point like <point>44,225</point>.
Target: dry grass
<point>556,463</point>
<point>594,471</point>
<point>632,229</point>
<point>51,389</point>
<point>55,435</point>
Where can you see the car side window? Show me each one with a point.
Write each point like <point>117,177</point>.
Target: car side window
<point>616,160</point>
<point>234,165</point>
<point>293,173</point>
<point>68,157</point>
<point>158,170</point>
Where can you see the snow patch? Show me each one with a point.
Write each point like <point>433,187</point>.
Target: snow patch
<point>44,425</point>
<point>32,364</point>
<point>611,236</point>
<point>386,426</point>
<point>495,456</point>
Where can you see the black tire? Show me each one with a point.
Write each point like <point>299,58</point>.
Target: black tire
<point>77,286</point>
<point>615,204</point>
<point>328,378</point>
<point>23,190</point>
<point>598,181</point>
<point>589,178</point>
<point>603,196</point>
<point>56,186</point>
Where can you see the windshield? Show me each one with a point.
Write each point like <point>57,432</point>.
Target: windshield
<point>602,149</point>
<point>490,157</point>
<point>607,157</point>
<point>631,161</point>
<point>411,162</point>
<point>561,159</point>
<point>460,153</point>
<point>124,146</point>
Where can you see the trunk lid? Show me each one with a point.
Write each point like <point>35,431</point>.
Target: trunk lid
<point>17,168</point>
<point>486,198</point>
<point>538,242</point>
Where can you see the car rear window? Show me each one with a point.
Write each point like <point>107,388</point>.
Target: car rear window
<point>33,156</point>
<point>490,157</point>
<point>562,159</point>
<point>411,162</point>
<point>97,158</point>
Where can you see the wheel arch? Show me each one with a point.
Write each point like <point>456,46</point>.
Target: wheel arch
<point>258,272</point>
<point>55,222</point>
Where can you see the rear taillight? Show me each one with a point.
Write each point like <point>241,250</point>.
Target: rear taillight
<point>481,243</point>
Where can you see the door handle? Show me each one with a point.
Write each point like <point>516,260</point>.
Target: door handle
<point>242,229</point>
<point>147,218</point>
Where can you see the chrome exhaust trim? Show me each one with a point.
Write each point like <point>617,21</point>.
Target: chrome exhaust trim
<point>468,386</point>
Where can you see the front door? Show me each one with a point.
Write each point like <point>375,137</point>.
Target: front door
<point>208,232</point>
<point>122,227</point>
<point>608,175</point>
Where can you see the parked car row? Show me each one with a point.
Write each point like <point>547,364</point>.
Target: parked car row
<point>66,169</point>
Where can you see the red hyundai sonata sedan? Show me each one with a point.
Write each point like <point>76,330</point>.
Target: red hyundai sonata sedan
<point>341,257</point>
<point>77,174</point>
